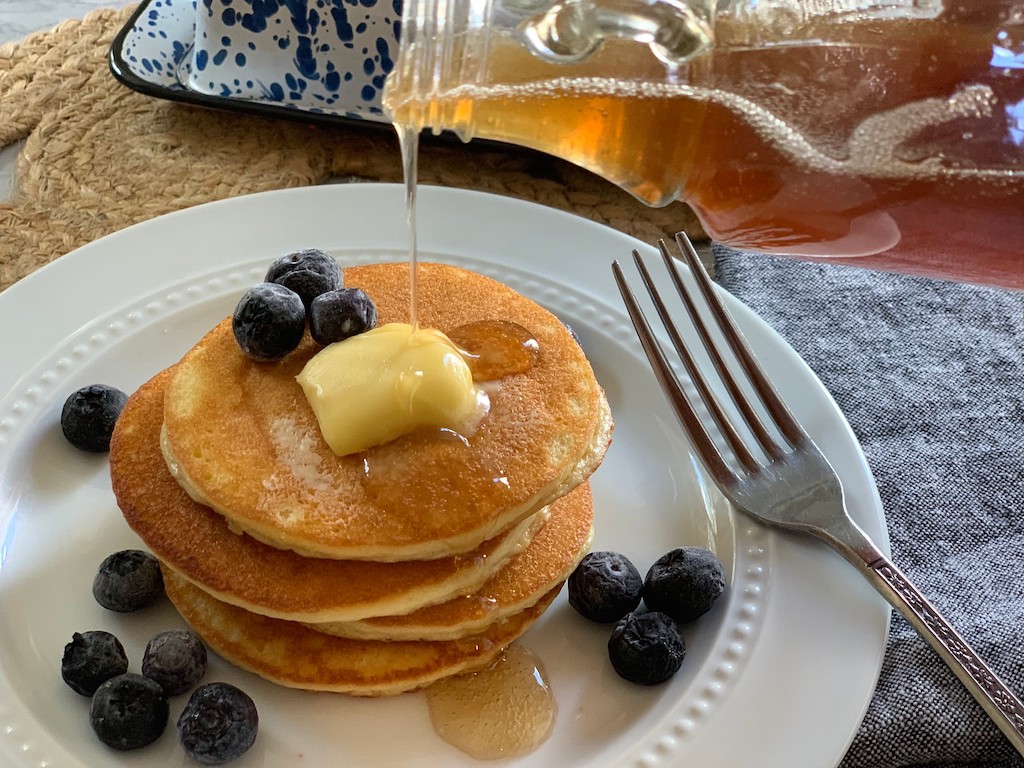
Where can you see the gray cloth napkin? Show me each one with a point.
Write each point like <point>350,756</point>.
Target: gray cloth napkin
<point>930,375</point>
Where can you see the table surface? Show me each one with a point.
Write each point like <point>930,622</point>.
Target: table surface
<point>19,18</point>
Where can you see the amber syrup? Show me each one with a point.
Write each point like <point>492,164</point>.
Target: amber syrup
<point>504,710</point>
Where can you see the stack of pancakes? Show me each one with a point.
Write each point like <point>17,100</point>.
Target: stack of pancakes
<point>376,572</point>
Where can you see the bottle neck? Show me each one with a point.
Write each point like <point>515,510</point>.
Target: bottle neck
<point>443,45</point>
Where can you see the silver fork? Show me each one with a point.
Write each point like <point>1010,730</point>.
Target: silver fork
<point>784,480</point>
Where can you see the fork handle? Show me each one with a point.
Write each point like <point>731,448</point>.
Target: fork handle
<point>995,697</point>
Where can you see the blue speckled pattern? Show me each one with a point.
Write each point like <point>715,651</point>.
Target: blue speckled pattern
<point>323,56</point>
<point>157,44</point>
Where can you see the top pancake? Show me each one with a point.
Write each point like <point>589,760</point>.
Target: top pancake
<point>240,437</point>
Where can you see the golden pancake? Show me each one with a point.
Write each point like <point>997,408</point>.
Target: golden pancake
<point>240,437</point>
<point>293,655</point>
<point>198,543</point>
<point>544,565</point>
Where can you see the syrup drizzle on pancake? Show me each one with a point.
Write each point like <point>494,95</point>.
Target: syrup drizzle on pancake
<point>494,349</point>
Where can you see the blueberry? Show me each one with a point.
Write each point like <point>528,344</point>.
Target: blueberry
<point>127,581</point>
<point>605,586</point>
<point>646,648</point>
<point>218,724</point>
<point>89,415</point>
<point>129,711</point>
<point>308,272</point>
<point>268,322</point>
<point>90,659</point>
<point>176,659</point>
<point>684,583</point>
<point>336,315</point>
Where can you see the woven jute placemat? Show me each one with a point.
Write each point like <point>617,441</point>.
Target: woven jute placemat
<point>99,157</point>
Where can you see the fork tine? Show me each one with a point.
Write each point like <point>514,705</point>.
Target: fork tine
<point>782,416</point>
<point>725,426</point>
<point>695,429</point>
<point>742,402</point>
<point>800,491</point>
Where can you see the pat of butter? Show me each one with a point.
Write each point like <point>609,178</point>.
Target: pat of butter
<point>379,385</point>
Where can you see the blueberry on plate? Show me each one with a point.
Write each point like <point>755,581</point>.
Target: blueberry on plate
<point>127,581</point>
<point>89,414</point>
<point>268,322</point>
<point>308,272</point>
<point>90,659</point>
<point>684,583</point>
<point>646,648</point>
<point>218,724</point>
<point>129,711</point>
<point>336,315</point>
<point>176,659</point>
<point>605,586</point>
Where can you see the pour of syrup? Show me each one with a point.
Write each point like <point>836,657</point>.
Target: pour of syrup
<point>507,709</point>
<point>494,349</point>
<point>504,710</point>
<point>408,143</point>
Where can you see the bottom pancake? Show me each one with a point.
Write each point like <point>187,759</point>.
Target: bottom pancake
<point>544,565</point>
<point>291,654</point>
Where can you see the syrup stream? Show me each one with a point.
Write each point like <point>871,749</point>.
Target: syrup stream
<point>408,141</point>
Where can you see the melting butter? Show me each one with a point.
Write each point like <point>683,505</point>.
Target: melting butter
<point>376,386</point>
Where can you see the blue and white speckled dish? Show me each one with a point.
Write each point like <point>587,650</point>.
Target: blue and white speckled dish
<point>325,59</point>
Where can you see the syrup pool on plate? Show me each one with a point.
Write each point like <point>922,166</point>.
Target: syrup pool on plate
<point>504,710</point>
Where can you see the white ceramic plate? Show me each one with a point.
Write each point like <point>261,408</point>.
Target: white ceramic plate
<point>779,673</point>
